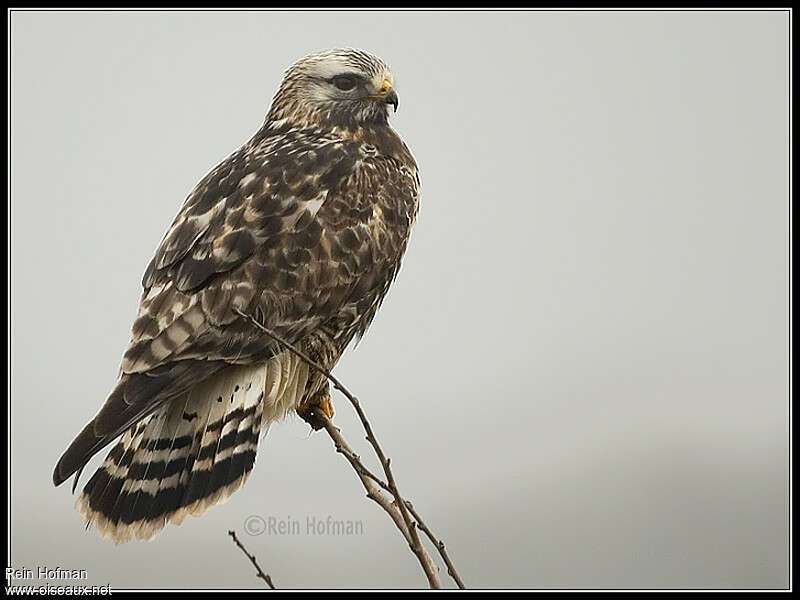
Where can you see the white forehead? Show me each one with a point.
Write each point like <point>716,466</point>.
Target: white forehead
<point>329,63</point>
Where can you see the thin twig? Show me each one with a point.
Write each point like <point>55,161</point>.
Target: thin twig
<point>343,448</point>
<point>451,569</point>
<point>259,572</point>
<point>409,528</point>
<point>371,483</point>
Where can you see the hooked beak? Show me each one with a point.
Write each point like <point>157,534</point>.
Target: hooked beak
<point>391,98</point>
<point>388,95</point>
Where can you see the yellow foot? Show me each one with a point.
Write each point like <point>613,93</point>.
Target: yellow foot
<point>310,412</point>
<point>326,406</point>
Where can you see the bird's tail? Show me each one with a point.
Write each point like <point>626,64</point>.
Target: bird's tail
<point>192,453</point>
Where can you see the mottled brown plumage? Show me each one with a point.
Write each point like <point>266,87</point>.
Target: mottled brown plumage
<point>304,228</point>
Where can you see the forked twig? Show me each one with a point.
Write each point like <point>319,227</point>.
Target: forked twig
<point>451,569</point>
<point>399,509</point>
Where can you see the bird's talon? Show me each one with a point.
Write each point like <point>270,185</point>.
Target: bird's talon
<point>313,413</point>
<point>327,407</point>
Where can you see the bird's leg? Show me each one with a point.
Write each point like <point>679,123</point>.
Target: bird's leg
<point>318,403</point>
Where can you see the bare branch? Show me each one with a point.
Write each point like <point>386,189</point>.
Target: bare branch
<point>451,570</point>
<point>259,572</point>
<point>373,484</point>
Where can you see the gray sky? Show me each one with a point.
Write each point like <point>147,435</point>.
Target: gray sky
<point>580,373</point>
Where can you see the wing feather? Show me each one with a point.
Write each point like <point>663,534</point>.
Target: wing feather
<point>302,229</point>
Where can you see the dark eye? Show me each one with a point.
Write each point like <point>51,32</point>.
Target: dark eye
<point>344,82</point>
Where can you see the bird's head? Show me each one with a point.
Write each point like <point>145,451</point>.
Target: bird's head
<point>342,87</point>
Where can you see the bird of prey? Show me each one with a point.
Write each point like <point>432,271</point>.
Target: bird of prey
<point>303,229</point>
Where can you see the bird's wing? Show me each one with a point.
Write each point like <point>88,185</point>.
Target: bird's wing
<point>251,236</point>
<point>247,238</point>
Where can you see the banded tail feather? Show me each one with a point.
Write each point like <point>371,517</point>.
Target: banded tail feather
<point>191,453</point>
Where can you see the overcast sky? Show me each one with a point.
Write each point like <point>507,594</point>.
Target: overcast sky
<point>580,373</point>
